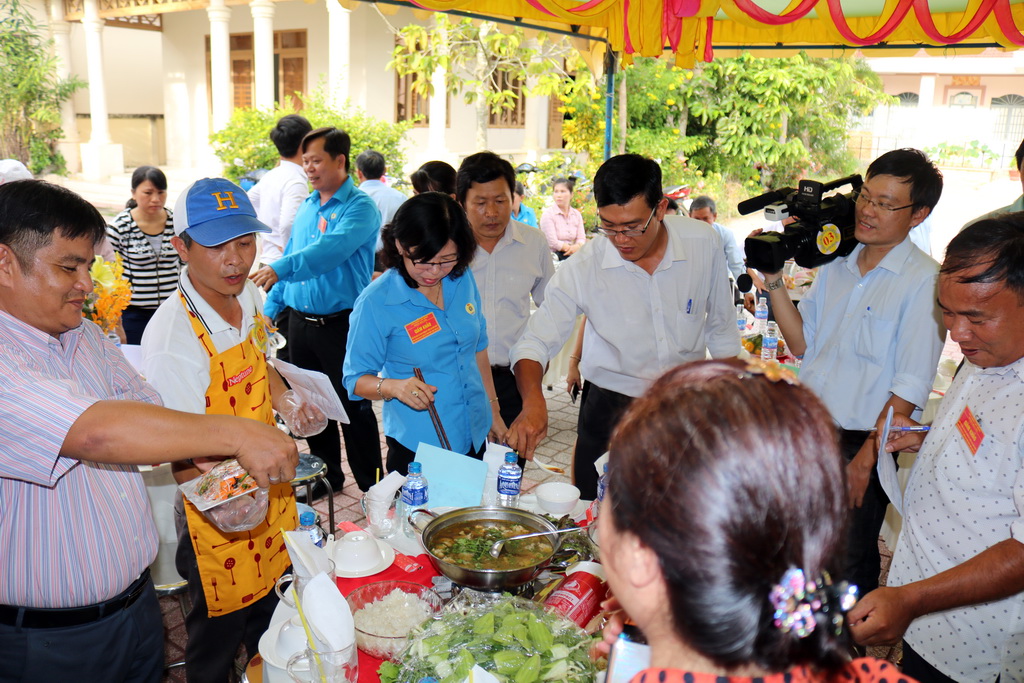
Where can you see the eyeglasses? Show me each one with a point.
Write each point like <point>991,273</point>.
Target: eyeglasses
<point>628,232</point>
<point>861,199</point>
<point>427,265</point>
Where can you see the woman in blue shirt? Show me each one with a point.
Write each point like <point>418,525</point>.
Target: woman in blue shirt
<point>424,312</point>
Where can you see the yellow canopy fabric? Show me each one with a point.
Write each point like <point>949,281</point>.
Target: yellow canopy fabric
<point>693,29</point>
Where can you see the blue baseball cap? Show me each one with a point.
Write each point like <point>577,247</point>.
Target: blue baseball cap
<point>215,211</point>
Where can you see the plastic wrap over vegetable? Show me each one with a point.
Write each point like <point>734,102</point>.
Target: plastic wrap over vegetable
<point>228,497</point>
<point>514,639</point>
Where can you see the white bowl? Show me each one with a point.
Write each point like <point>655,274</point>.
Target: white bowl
<point>291,638</point>
<point>356,551</point>
<point>557,498</point>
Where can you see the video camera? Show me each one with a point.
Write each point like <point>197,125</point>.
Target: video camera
<point>823,229</point>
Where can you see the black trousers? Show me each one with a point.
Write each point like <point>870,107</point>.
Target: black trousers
<point>213,641</point>
<point>321,346</point>
<point>134,320</point>
<point>510,403</point>
<point>399,457</point>
<point>915,666</point>
<point>126,646</point>
<point>600,410</point>
<point>863,562</point>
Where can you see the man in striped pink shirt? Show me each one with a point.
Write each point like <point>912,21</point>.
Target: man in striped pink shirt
<point>76,531</point>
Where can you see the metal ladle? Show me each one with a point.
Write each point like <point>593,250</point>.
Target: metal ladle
<point>496,547</point>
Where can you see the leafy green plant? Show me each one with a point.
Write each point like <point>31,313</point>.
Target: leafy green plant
<point>973,154</point>
<point>31,94</point>
<point>244,144</point>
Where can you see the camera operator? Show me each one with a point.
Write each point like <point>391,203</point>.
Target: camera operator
<point>870,333</point>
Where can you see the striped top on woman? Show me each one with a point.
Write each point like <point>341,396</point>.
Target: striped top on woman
<point>153,274</point>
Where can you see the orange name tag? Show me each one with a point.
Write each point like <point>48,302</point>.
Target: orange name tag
<point>970,430</point>
<point>421,328</point>
<point>322,225</point>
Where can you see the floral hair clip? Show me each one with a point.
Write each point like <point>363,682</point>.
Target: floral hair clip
<point>798,600</point>
<point>773,372</point>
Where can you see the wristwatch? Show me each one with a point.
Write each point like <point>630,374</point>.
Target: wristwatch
<point>774,284</point>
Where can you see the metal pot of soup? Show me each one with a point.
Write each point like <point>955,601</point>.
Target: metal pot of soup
<point>458,543</point>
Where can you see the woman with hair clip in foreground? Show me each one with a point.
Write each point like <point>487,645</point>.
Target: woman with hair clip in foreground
<point>722,531</point>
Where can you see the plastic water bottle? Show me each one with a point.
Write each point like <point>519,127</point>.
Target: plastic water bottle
<point>770,342</point>
<point>510,479</point>
<point>761,315</point>
<point>307,523</point>
<point>415,495</point>
<point>602,484</point>
<point>741,319</point>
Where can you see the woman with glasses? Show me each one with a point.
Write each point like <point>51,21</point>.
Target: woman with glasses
<point>731,565</point>
<point>561,223</point>
<point>424,313</point>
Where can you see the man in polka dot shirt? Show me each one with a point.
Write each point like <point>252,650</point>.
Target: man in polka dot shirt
<point>956,584</point>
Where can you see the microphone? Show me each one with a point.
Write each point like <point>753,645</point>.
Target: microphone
<point>744,282</point>
<point>757,203</point>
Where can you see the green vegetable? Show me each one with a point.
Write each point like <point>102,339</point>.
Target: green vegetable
<point>512,638</point>
<point>388,672</point>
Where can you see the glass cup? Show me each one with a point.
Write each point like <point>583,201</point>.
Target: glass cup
<point>338,666</point>
<point>380,516</point>
<point>298,584</point>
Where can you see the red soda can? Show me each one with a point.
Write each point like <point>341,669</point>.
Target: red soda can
<point>578,597</point>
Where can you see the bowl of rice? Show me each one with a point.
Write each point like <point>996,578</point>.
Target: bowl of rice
<point>386,611</point>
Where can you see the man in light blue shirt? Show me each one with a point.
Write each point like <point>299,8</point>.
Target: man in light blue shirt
<point>703,208</point>
<point>871,334</point>
<point>326,265</point>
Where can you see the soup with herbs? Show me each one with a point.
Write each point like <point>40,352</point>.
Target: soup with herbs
<point>467,545</point>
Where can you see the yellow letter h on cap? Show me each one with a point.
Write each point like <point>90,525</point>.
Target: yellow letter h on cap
<point>225,200</point>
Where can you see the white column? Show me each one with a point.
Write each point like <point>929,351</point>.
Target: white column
<point>263,48</point>
<point>535,119</point>
<point>61,31</point>
<point>220,62</point>
<point>100,157</point>
<point>926,96</point>
<point>339,49</point>
<point>93,28</point>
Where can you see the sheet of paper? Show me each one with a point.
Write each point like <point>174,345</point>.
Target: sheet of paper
<point>455,480</point>
<point>313,387</point>
<point>886,466</point>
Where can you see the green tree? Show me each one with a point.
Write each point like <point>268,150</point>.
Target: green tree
<point>30,92</point>
<point>480,62</point>
<point>244,145</point>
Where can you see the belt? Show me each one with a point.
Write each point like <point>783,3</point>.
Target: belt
<point>30,617</point>
<point>501,368</point>
<point>319,320</point>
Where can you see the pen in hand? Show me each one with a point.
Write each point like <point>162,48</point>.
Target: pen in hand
<point>915,428</point>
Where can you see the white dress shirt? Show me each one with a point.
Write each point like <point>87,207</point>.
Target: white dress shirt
<point>733,253</point>
<point>174,361</point>
<point>958,504</point>
<point>871,336</point>
<point>520,266</point>
<point>638,325</point>
<point>276,198</point>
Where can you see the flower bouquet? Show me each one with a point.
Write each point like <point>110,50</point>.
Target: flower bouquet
<point>110,295</point>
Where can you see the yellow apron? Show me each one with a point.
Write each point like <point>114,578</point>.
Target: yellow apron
<point>239,568</point>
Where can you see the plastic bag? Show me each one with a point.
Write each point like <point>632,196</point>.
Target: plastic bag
<point>224,482</point>
<point>303,419</point>
<point>513,638</point>
<point>242,513</point>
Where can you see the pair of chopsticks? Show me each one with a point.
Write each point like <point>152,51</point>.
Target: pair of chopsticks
<point>433,415</point>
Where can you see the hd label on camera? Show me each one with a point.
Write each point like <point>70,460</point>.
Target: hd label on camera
<point>829,238</point>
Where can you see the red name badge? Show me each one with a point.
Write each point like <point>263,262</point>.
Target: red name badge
<point>421,328</point>
<point>322,225</point>
<point>970,430</point>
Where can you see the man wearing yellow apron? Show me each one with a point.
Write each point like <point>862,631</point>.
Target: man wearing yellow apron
<point>205,351</point>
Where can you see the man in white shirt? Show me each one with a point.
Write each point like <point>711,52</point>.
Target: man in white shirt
<point>656,294</point>
<point>511,264</point>
<point>277,197</point>
<point>870,334</point>
<point>956,584</point>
